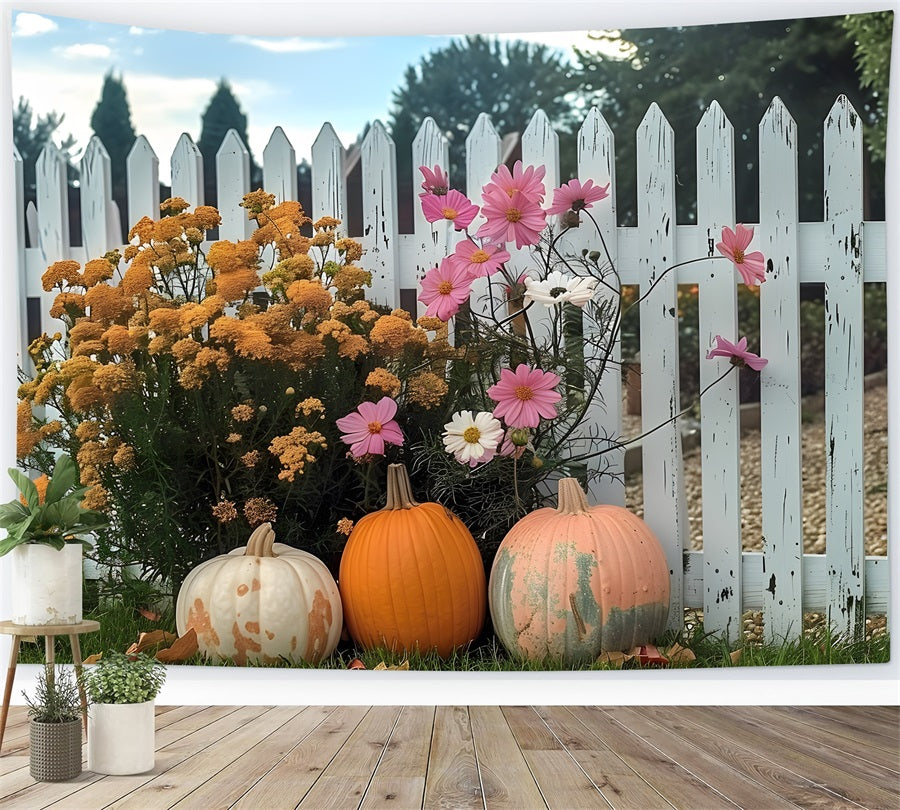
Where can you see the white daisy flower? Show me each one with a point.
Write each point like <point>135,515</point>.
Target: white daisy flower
<point>472,439</point>
<point>559,288</point>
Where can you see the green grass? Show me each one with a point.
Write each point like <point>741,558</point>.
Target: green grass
<point>121,623</point>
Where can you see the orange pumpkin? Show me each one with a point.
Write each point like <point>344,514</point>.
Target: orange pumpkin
<point>572,582</point>
<point>411,576</point>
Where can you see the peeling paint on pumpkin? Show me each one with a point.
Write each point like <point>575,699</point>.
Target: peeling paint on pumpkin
<point>242,589</point>
<point>319,623</point>
<point>269,635</point>
<point>255,586</point>
<point>243,644</point>
<point>252,627</point>
<point>198,619</point>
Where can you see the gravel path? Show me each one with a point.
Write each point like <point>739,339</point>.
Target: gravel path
<point>814,513</point>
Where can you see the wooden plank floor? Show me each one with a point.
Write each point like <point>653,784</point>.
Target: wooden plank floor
<point>516,757</point>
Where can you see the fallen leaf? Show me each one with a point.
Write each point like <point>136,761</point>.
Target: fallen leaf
<point>678,654</point>
<point>356,664</point>
<point>735,656</point>
<point>93,659</point>
<point>151,615</point>
<point>180,650</point>
<point>155,638</point>
<point>404,665</point>
<point>616,658</point>
<point>648,655</point>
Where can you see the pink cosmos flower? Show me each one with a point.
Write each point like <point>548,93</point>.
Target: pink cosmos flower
<point>453,206</point>
<point>525,395</point>
<point>444,289</point>
<point>516,217</point>
<point>529,181</point>
<point>751,266</point>
<point>477,261</point>
<point>436,180</point>
<point>738,354</point>
<point>573,196</point>
<point>370,427</point>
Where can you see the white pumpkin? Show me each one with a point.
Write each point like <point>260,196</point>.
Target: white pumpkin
<point>262,603</point>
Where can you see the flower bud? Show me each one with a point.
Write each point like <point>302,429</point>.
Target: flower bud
<point>519,437</point>
<point>536,462</point>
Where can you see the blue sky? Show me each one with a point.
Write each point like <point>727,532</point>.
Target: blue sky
<point>298,83</point>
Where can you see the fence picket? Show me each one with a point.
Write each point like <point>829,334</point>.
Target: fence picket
<point>96,195</point>
<point>844,540</point>
<point>482,159</point>
<point>142,169</point>
<point>187,172</point>
<point>329,192</point>
<point>232,183</point>
<point>664,496</point>
<point>779,326</point>
<point>433,241</point>
<point>280,167</point>
<point>22,342</point>
<point>379,183</point>
<point>720,425</point>
<point>596,152</point>
<point>53,222</point>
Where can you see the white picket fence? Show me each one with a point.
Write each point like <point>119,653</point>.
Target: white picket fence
<point>841,250</point>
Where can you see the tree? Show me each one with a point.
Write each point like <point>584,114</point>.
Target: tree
<point>872,50</point>
<point>807,63</point>
<point>111,123</point>
<point>31,136</point>
<point>474,75</point>
<point>222,113</point>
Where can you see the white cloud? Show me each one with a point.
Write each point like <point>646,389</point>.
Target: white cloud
<point>87,50</point>
<point>288,44</point>
<point>136,31</point>
<point>564,41</point>
<point>30,25</point>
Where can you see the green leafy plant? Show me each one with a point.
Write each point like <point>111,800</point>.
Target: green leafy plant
<point>49,511</point>
<point>56,698</point>
<point>122,678</point>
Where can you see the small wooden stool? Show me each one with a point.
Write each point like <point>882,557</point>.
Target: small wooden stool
<point>49,632</point>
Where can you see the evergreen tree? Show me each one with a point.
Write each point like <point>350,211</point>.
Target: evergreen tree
<point>743,66</point>
<point>111,123</point>
<point>222,113</point>
<point>31,136</point>
<point>474,75</point>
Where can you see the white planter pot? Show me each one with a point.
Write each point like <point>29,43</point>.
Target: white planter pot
<point>121,738</point>
<point>46,584</point>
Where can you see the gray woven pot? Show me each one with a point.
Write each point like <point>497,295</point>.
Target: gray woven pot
<point>55,751</point>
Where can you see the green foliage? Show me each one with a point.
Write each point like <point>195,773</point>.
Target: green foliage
<point>221,114</point>
<point>56,519</point>
<point>479,74</point>
<point>743,66</point>
<point>111,123</point>
<point>872,40</point>
<point>121,678</point>
<point>56,698</point>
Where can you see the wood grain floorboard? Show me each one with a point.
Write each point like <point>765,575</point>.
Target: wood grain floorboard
<point>520,757</point>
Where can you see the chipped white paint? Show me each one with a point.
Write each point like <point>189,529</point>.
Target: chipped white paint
<point>96,197</point>
<point>664,497</point>
<point>779,318</point>
<point>800,252</point>
<point>329,195</point>
<point>187,171</point>
<point>482,158</point>
<point>434,240</point>
<point>720,425</point>
<point>379,190</point>
<point>844,368</point>
<point>142,167</point>
<point>597,161</point>
<point>280,167</point>
<point>232,183</point>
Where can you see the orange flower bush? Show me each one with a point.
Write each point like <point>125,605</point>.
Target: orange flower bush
<point>198,384</point>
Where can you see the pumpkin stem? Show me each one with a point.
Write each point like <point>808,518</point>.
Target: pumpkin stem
<point>399,490</point>
<point>261,542</point>
<point>572,500</point>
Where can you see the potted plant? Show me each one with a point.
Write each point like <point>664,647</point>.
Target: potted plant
<point>45,527</point>
<point>121,724</point>
<point>55,726</point>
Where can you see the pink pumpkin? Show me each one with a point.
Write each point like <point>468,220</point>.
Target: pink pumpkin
<point>572,582</point>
